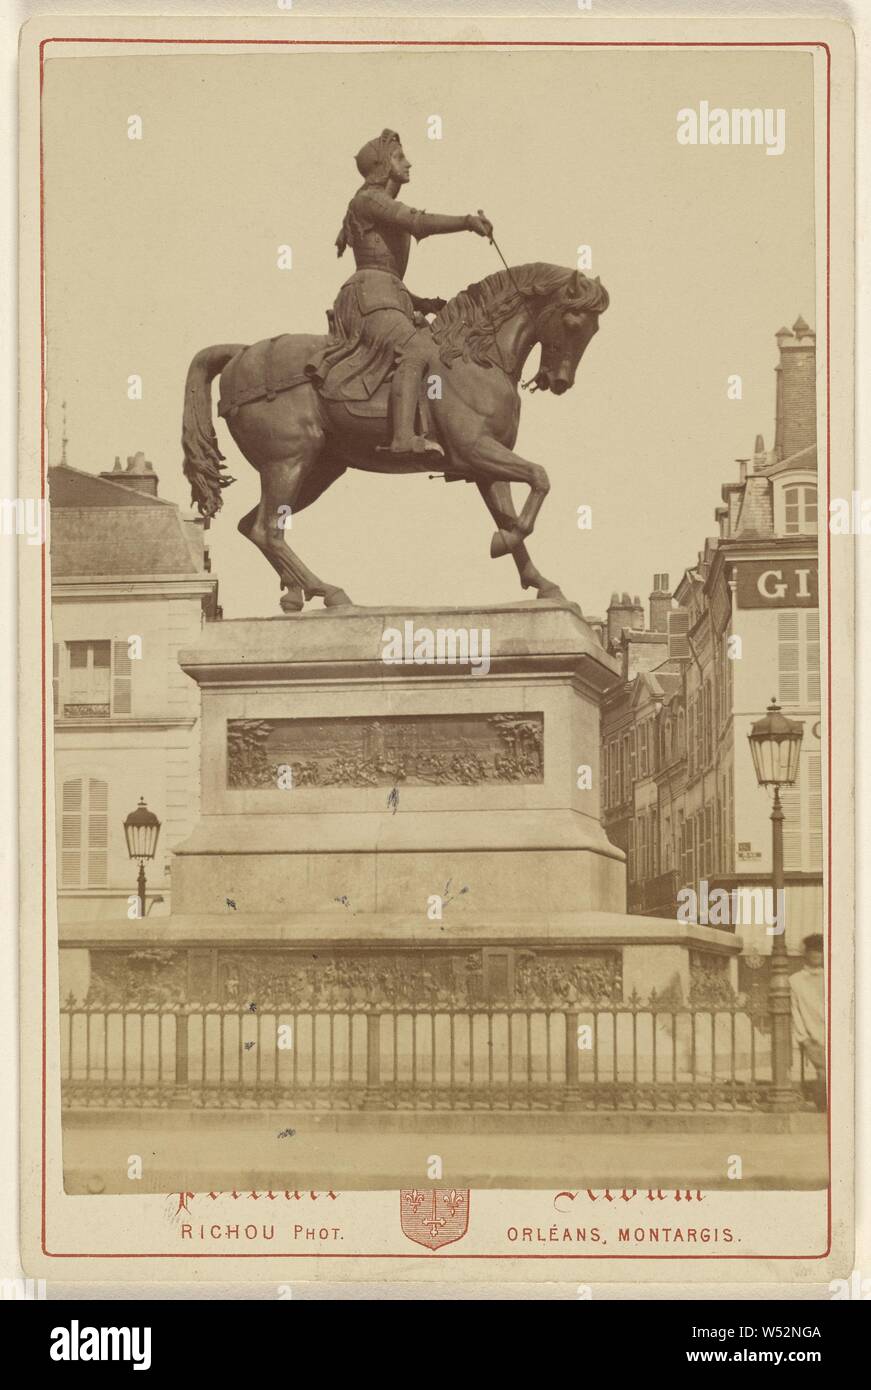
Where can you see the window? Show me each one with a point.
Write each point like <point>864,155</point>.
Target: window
<point>708,852</point>
<point>798,657</point>
<point>726,693</point>
<point>84,833</point>
<point>91,680</point>
<point>800,510</point>
<point>642,749</point>
<point>700,730</point>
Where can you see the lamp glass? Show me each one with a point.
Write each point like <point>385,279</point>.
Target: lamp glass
<point>141,829</point>
<point>775,743</point>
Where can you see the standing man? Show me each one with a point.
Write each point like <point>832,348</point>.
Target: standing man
<point>378,322</point>
<point>807,989</point>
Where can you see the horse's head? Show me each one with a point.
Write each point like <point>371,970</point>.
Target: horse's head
<point>564,325</point>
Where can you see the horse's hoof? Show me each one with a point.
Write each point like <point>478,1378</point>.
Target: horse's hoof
<point>551,592</point>
<point>292,601</point>
<point>503,543</point>
<point>337,598</point>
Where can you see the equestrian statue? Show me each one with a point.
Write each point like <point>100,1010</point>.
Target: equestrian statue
<point>399,385</point>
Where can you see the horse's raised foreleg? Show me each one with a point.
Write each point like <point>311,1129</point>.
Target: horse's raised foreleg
<point>286,487</point>
<point>500,504</point>
<point>488,460</point>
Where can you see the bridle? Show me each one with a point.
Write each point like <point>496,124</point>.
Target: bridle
<point>539,320</point>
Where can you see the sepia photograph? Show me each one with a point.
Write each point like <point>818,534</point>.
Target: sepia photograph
<point>437,526</point>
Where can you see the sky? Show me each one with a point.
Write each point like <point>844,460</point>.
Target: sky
<point>158,247</point>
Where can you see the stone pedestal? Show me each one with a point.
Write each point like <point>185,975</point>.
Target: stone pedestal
<point>404,866</point>
<point>331,777</point>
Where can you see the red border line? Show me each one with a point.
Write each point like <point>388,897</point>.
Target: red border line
<point>433,44</point>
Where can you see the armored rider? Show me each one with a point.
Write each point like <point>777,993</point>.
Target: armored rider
<point>379,321</point>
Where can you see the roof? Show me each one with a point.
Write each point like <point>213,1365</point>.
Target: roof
<point>71,487</point>
<point>755,517</point>
<point>805,459</point>
<point>103,528</point>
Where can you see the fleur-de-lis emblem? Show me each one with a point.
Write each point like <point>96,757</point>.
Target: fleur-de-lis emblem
<point>453,1200</point>
<point>436,1216</point>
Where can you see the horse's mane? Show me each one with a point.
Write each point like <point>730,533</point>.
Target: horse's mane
<point>467,325</point>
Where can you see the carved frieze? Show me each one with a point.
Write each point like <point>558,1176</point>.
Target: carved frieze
<point>387,751</point>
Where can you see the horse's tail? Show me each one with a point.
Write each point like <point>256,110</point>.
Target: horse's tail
<point>203,460</point>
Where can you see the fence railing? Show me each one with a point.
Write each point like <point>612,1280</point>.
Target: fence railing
<point>344,1054</point>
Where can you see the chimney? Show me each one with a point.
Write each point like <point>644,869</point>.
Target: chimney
<point>138,475</point>
<point>617,615</point>
<point>660,603</point>
<point>796,411</point>
<point>623,612</point>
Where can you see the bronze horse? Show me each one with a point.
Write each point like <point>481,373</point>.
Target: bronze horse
<point>300,442</point>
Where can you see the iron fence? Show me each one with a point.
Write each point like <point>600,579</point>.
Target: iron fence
<point>341,1053</point>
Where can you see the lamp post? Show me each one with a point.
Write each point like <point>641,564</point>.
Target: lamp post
<point>775,743</point>
<point>141,829</point>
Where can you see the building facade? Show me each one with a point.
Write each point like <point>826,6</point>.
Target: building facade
<point>742,626</point>
<point>130,587</point>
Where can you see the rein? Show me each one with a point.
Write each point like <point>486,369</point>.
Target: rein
<point>522,295</point>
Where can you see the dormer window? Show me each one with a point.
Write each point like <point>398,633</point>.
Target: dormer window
<point>800,510</point>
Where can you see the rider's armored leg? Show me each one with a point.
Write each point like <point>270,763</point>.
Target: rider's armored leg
<point>406,385</point>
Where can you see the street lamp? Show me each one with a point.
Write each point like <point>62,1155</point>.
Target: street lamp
<point>775,743</point>
<point>141,829</point>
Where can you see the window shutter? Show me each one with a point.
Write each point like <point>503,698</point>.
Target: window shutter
<point>77,653</point>
<point>55,677</point>
<point>98,833</point>
<point>678,627</point>
<point>71,834</point>
<point>790,799</point>
<point>788,671</point>
<point>122,679</point>
<point>815,811</point>
<point>812,657</point>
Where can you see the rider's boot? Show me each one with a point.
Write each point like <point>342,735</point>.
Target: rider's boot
<point>406,444</point>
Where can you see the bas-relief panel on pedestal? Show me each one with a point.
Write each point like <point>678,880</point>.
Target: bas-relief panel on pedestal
<point>387,750</point>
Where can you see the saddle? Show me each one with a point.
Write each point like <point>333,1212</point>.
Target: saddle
<point>274,365</point>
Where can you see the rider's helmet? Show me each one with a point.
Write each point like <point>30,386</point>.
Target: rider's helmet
<point>373,160</point>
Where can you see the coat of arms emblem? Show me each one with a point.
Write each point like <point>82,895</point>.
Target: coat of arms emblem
<point>435,1216</point>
